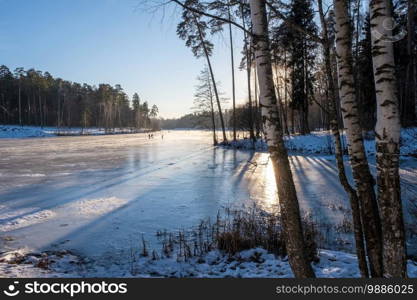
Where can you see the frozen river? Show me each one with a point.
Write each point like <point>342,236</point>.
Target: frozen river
<point>97,195</point>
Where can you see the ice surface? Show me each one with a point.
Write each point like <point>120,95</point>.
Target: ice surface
<point>97,195</point>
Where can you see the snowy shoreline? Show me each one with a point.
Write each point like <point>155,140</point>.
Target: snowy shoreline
<point>318,142</point>
<point>321,142</point>
<point>252,263</point>
<point>18,132</point>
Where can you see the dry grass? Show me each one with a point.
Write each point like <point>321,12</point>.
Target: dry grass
<point>231,232</point>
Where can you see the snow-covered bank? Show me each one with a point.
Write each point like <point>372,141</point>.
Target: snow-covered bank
<point>253,263</point>
<point>321,142</point>
<point>23,263</point>
<point>14,131</point>
<point>11,131</point>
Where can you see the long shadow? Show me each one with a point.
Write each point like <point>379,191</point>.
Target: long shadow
<point>152,197</point>
<point>76,197</point>
<point>329,171</point>
<point>228,170</point>
<point>82,194</point>
<point>238,177</point>
<point>310,189</point>
<point>324,209</point>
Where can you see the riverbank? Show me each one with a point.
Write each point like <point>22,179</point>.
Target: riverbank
<point>253,263</point>
<point>321,142</point>
<point>15,131</point>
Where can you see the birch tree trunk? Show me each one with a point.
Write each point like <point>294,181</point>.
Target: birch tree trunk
<point>387,133</point>
<point>359,163</point>
<point>290,211</point>
<point>354,201</point>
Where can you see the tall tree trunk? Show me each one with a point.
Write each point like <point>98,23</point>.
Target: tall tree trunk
<point>259,128</point>
<point>290,210</point>
<point>387,134</point>
<point>354,201</point>
<point>286,95</point>
<point>29,110</point>
<point>232,59</point>
<point>411,83</point>
<point>248,53</point>
<point>292,120</point>
<point>213,121</point>
<point>256,119</point>
<point>214,82</point>
<point>20,102</point>
<point>305,110</point>
<point>280,104</point>
<point>360,168</point>
<point>40,109</point>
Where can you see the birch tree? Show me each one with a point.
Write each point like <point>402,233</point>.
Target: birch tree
<point>387,137</point>
<point>358,160</point>
<point>273,133</point>
<point>352,193</point>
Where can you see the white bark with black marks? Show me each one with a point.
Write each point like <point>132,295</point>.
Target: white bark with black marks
<point>351,192</point>
<point>387,132</point>
<point>290,211</point>
<point>359,163</point>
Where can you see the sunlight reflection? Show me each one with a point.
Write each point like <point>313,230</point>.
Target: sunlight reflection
<point>262,186</point>
<point>270,187</point>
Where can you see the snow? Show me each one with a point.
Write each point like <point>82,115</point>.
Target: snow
<point>94,207</point>
<point>11,131</point>
<point>21,218</point>
<point>252,263</point>
<point>321,142</point>
<point>23,263</point>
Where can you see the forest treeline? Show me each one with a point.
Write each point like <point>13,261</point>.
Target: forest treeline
<point>299,70</point>
<point>354,62</point>
<point>31,97</point>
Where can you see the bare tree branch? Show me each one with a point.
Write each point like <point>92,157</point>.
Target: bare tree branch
<point>276,12</point>
<point>226,21</point>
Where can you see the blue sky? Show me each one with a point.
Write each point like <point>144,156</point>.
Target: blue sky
<point>115,42</point>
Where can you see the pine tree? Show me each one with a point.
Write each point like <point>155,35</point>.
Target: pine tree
<point>193,29</point>
<point>301,61</point>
